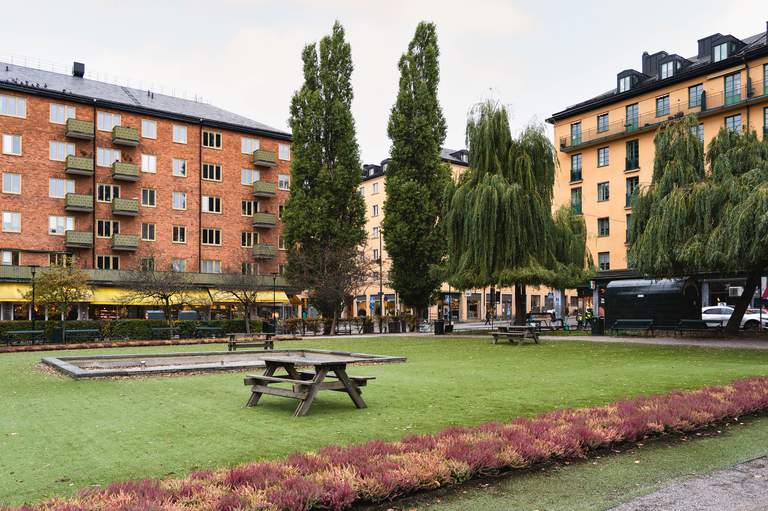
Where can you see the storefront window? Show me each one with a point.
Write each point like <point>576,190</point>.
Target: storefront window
<point>473,306</point>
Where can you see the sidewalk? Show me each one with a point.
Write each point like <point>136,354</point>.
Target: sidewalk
<point>757,344</point>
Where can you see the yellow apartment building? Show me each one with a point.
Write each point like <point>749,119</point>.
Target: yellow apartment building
<point>605,144</point>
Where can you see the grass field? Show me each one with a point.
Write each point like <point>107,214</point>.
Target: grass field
<point>58,435</point>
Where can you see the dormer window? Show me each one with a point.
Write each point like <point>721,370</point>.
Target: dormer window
<point>667,69</point>
<point>625,84</point>
<point>720,52</point>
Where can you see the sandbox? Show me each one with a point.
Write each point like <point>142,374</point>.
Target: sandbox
<point>102,366</point>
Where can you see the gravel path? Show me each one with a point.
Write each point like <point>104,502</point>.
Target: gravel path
<point>743,487</point>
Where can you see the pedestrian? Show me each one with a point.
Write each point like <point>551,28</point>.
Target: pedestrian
<point>487,318</point>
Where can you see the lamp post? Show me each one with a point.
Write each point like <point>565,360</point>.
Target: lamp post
<point>33,269</point>
<point>381,282</point>
<point>274,302</point>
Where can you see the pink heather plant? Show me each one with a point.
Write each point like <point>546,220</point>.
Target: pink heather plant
<point>336,477</point>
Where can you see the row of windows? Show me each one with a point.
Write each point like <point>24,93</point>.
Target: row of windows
<point>604,193</point>
<point>374,189</point>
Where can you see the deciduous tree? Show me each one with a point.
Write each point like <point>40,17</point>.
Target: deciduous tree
<point>61,287</point>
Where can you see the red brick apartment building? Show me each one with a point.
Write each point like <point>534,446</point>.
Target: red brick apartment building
<point>118,179</point>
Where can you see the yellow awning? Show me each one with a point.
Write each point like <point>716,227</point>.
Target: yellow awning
<point>220,296</point>
<point>124,296</point>
<point>12,292</point>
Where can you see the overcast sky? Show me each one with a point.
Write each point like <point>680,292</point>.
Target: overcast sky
<point>244,55</point>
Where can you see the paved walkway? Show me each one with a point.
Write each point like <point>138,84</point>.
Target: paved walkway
<point>758,344</point>
<point>742,487</point>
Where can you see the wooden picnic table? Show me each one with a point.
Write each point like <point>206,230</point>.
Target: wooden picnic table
<point>304,384</point>
<point>516,332</point>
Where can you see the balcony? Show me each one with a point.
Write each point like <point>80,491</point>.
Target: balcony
<point>78,239</point>
<point>264,158</point>
<point>123,135</point>
<point>78,202</point>
<point>82,130</point>
<point>79,165</point>
<point>631,164</point>
<point>266,220</point>
<point>125,207</point>
<point>575,175</point>
<point>122,171</point>
<point>264,251</point>
<point>125,242</point>
<point>264,189</point>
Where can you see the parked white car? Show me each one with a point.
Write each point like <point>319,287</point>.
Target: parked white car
<point>716,315</point>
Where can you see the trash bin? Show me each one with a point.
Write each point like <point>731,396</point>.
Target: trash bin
<point>598,326</point>
<point>439,327</point>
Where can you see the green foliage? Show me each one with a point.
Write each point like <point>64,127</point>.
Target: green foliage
<point>416,177</point>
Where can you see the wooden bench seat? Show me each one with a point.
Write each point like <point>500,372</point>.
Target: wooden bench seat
<point>19,335</point>
<point>698,326</point>
<point>516,333</point>
<point>645,325</point>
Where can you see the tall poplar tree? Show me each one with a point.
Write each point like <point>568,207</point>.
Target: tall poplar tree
<point>416,177</point>
<point>324,216</point>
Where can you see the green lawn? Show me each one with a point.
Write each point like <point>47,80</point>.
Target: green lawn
<point>58,435</point>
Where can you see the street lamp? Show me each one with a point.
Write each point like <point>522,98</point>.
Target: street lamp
<point>33,269</point>
<point>274,302</point>
<point>381,282</point>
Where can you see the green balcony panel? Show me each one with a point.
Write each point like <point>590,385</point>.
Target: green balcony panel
<point>77,128</point>
<point>264,251</point>
<point>78,239</point>
<point>264,189</point>
<point>126,207</point>
<point>125,242</point>
<point>79,165</point>
<point>264,158</point>
<point>125,171</point>
<point>123,135</point>
<point>264,220</point>
<point>78,202</point>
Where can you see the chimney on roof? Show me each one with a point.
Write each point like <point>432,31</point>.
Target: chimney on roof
<point>78,69</point>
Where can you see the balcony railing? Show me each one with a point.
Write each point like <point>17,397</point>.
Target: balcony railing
<point>576,207</point>
<point>575,175</point>
<point>77,128</point>
<point>264,158</point>
<point>78,239</point>
<point>78,202</point>
<point>631,164</point>
<point>79,165</point>
<point>126,242</point>
<point>123,171</point>
<point>264,220</point>
<point>264,251</point>
<point>710,103</point>
<point>125,207</point>
<point>264,189</point>
<point>123,135</point>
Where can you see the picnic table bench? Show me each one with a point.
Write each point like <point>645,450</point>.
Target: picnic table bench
<point>645,325</point>
<point>516,333</point>
<point>304,385</point>
<point>208,331</point>
<point>698,325</point>
<point>250,341</point>
<point>544,321</point>
<point>84,333</point>
<point>18,335</point>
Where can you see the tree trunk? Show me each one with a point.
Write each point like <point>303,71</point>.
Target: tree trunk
<point>63,323</point>
<point>742,302</point>
<point>521,312</point>
<point>168,318</point>
<point>247,318</point>
<point>562,307</point>
<point>333,324</point>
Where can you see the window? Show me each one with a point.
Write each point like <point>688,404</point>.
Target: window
<point>733,88</point>
<point>105,193</point>
<point>603,192</point>
<point>58,151</point>
<point>576,161</point>
<point>179,234</point>
<point>604,261</point>
<point>147,264</point>
<point>667,69</point>
<point>765,79</point>
<point>59,188</point>
<point>13,106</point>
<point>698,131</point>
<point>284,151</point>
<point>179,200</point>
<point>246,239</point>
<point>148,232</point>
<point>105,157</point>
<point>148,128</point>
<point>603,157</point>
<point>375,254</point>
<point>60,113</point>
<point>249,268</point>
<point>179,134</point>
<point>720,52</point>
<point>283,182</point>
<point>11,221</point>
<point>765,124</point>
<point>12,145</point>
<point>148,197</point>
<point>59,225</point>
<point>106,228</point>
<point>632,117</point>
<point>576,200</point>
<point>149,163</point>
<point>281,207</point>
<point>247,207</point>
<point>60,260</point>
<point>361,191</point>
<point>211,236</point>
<point>375,188</point>
<point>9,257</point>
<point>281,242</point>
<point>212,139</point>
<point>633,155</point>
<point>576,133</point>
<point>625,84</point>
<point>694,95</point>
<point>108,262</point>
<point>603,227</point>
<point>375,233</point>
<point>281,269</point>
<point>375,210</point>
<point>733,122</point>
<point>602,123</point>
<point>633,185</point>
<point>179,167</point>
<point>211,204</point>
<point>105,121</point>
<point>12,182</point>
<point>211,172</point>
<point>248,145</point>
<point>662,106</point>
<point>249,176</point>
<point>179,265</point>
<point>210,266</point>
<point>629,229</point>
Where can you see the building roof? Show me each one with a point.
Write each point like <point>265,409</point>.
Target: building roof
<point>697,65</point>
<point>452,156</point>
<point>63,86</point>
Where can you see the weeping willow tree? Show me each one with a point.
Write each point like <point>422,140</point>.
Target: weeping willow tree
<point>694,220</point>
<point>572,262</point>
<point>498,217</point>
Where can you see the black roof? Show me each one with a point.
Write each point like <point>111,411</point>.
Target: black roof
<point>452,156</point>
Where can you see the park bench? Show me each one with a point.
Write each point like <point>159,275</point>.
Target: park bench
<point>697,326</point>
<point>516,333</point>
<point>208,331</point>
<point>644,325</point>
<point>253,341</point>
<point>161,332</point>
<point>84,334</point>
<point>23,335</point>
<point>544,321</point>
